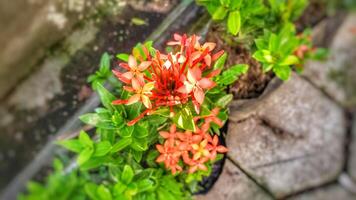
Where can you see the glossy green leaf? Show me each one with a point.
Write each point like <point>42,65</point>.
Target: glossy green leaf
<point>232,74</point>
<point>104,193</point>
<point>127,174</point>
<point>105,63</point>
<point>283,72</point>
<point>94,119</point>
<point>220,13</point>
<point>121,144</point>
<point>220,62</point>
<point>73,145</point>
<point>123,57</point>
<point>184,119</point>
<point>289,60</point>
<point>224,101</point>
<point>85,139</point>
<point>126,131</point>
<point>106,97</point>
<point>102,148</point>
<point>234,22</point>
<point>85,155</point>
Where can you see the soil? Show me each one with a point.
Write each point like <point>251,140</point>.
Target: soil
<point>251,84</point>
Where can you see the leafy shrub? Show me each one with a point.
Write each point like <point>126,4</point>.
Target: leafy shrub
<point>159,138</point>
<point>269,24</point>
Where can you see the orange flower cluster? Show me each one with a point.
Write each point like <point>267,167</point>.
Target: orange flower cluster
<point>170,79</point>
<point>194,149</point>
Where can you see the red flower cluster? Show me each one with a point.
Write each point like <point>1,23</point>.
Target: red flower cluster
<point>170,79</point>
<point>194,149</point>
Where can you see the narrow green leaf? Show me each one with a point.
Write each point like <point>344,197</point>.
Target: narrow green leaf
<point>219,64</point>
<point>102,148</point>
<point>234,22</point>
<point>85,155</point>
<point>224,101</point>
<point>184,119</point>
<point>283,72</point>
<point>127,174</point>
<point>85,139</point>
<point>105,96</point>
<point>121,144</point>
<point>138,21</point>
<point>73,145</point>
<point>96,120</point>
<point>220,13</point>
<point>105,63</point>
<point>232,74</point>
<point>123,57</point>
<point>126,131</point>
<point>104,193</point>
<point>289,60</point>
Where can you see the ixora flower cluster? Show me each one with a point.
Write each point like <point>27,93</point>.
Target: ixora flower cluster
<point>194,148</point>
<point>172,79</point>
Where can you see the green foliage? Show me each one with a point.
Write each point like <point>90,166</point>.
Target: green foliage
<point>270,22</point>
<point>276,51</point>
<point>239,14</point>
<point>103,73</point>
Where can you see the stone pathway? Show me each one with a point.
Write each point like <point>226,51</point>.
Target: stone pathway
<point>293,142</point>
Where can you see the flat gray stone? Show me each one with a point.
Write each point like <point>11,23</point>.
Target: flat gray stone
<point>234,184</point>
<point>289,139</point>
<point>331,192</point>
<point>336,75</point>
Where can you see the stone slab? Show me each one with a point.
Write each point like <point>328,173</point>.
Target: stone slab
<point>234,184</point>
<point>290,139</point>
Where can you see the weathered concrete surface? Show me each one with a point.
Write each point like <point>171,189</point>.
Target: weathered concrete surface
<point>352,153</point>
<point>336,75</point>
<point>330,192</point>
<point>289,139</point>
<point>32,26</point>
<point>234,184</point>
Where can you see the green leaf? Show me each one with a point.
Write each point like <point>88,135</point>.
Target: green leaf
<point>235,4</point>
<point>85,139</point>
<point>126,131</point>
<point>94,119</point>
<point>219,64</point>
<point>224,101</point>
<point>90,190</point>
<point>138,21</point>
<point>73,145</point>
<point>234,22</point>
<point>184,119</point>
<point>105,96</point>
<point>283,72</point>
<point>232,74</point>
<point>127,174</point>
<point>289,60</point>
<point>85,155</point>
<point>105,63</point>
<point>121,144</point>
<point>220,13</point>
<point>145,185</point>
<point>93,163</point>
<point>139,144</point>
<point>225,2</point>
<point>137,155</point>
<point>140,131</point>
<point>104,193</point>
<point>102,148</point>
<point>123,57</point>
